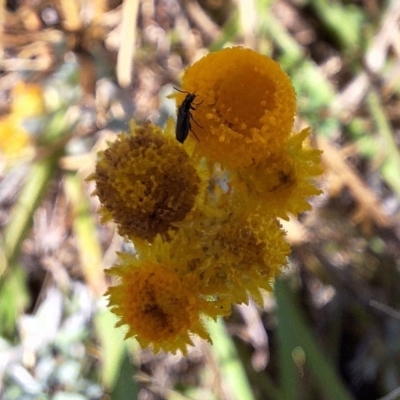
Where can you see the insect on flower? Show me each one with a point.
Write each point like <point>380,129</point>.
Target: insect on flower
<point>183,122</point>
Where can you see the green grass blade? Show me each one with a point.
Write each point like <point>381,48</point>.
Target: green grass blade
<point>29,198</point>
<point>231,368</point>
<point>297,333</point>
<point>88,244</point>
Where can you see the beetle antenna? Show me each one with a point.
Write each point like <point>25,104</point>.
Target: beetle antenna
<point>182,91</point>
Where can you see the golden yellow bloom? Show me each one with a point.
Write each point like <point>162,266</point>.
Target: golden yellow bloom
<point>14,138</point>
<point>282,183</point>
<point>245,106</point>
<point>160,308</point>
<point>27,100</point>
<point>243,257</point>
<point>145,182</point>
<point>233,254</point>
<point>183,253</point>
<point>203,217</point>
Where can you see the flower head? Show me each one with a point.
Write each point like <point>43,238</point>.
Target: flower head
<point>246,105</point>
<point>244,256</point>
<point>282,183</point>
<point>160,308</point>
<point>145,182</point>
<point>232,254</point>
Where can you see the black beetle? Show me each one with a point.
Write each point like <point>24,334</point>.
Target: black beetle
<point>183,121</point>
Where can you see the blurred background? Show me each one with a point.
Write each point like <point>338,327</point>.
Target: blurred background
<point>72,74</point>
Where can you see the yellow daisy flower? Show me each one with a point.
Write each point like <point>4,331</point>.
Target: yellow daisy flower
<point>282,183</point>
<point>160,308</point>
<point>245,106</point>
<point>145,182</point>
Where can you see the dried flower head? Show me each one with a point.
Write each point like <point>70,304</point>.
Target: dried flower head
<point>145,182</point>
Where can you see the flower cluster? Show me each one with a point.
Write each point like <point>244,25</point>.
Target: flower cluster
<point>203,216</point>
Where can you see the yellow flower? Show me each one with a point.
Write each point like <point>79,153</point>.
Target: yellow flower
<point>183,253</point>
<point>282,183</point>
<point>27,100</point>
<point>244,256</point>
<point>233,253</point>
<point>145,182</point>
<point>203,217</point>
<point>245,106</point>
<point>160,308</point>
<point>14,138</point>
